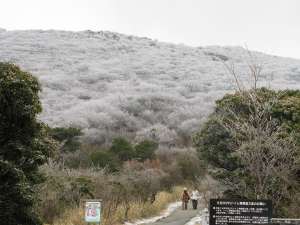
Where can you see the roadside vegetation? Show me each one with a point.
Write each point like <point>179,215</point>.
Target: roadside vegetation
<point>252,143</point>
<point>24,145</point>
<point>248,148</point>
<point>128,185</point>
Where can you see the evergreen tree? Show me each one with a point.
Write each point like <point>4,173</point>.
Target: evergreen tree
<point>122,148</point>
<point>68,137</point>
<point>145,150</point>
<point>24,145</point>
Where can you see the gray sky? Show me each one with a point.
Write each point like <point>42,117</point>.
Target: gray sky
<point>271,26</point>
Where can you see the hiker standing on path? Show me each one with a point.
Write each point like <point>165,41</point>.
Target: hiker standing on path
<point>185,199</point>
<point>195,196</point>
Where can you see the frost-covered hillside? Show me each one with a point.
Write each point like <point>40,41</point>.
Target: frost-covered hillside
<point>112,84</point>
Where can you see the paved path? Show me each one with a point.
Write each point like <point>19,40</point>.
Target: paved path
<point>178,217</point>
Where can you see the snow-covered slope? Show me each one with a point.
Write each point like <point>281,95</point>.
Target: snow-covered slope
<point>112,84</point>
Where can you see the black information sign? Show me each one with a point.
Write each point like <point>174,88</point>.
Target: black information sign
<point>237,212</point>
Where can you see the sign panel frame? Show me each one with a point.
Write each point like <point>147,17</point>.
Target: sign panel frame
<point>92,210</point>
<point>239,212</point>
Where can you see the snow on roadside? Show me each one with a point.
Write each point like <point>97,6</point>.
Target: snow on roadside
<point>195,220</point>
<point>201,218</point>
<point>171,208</point>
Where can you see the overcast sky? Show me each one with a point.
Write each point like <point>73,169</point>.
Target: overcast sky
<point>271,26</point>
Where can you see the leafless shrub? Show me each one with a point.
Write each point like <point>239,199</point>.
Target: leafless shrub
<point>209,188</point>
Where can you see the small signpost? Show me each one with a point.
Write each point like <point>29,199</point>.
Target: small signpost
<point>92,211</point>
<point>239,212</point>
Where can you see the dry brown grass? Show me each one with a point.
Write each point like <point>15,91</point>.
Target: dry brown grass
<point>137,210</point>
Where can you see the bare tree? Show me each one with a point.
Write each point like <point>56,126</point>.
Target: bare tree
<point>209,188</point>
<point>268,158</point>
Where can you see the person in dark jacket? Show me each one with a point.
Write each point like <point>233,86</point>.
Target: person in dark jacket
<point>185,199</point>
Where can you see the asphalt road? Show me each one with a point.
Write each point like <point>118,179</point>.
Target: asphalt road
<point>178,217</point>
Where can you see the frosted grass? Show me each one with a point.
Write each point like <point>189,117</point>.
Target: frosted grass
<point>110,84</point>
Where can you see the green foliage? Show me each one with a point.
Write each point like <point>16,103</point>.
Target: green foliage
<point>16,196</point>
<point>68,137</point>
<point>226,151</point>
<point>24,144</point>
<point>105,159</point>
<point>145,150</point>
<point>122,148</point>
<point>214,144</point>
<point>111,158</point>
<point>287,112</point>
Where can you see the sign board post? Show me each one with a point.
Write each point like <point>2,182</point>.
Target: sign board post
<point>239,212</point>
<point>92,210</point>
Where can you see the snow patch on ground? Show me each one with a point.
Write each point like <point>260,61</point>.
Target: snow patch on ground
<point>171,208</point>
<point>201,218</point>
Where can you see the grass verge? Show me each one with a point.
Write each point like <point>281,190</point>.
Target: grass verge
<point>137,210</point>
